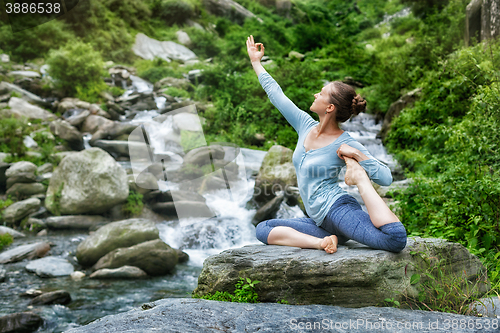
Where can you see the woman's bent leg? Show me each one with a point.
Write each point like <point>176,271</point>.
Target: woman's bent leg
<point>299,232</point>
<point>346,217</point>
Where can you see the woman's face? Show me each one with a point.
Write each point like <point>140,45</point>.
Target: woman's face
<point>322,100</point>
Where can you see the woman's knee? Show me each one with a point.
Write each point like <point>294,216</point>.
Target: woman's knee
<point>262,231</point>
<point>397,233</point>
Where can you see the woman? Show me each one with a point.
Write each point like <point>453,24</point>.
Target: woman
<point>322,150</point>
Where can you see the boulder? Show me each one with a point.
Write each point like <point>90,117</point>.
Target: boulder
<point>68,132</point>
<point>53,297</point>
<point>87,182</point>
<point>20,168</point>
<point>3,274</point>
<point>487,307</point>
<point>183,209</point>
<point>12,232</point>
<point>28,251</point>
<point>112,131</point>
<point>22,108</point>
<point>269,210</point>
<point>124,272</point>
<point>19,210</point>
<point>92,123</point>
<point>407,100</point>
<point>20,322</point>
<point>50,267</point>
<point>199,315</point>
<point>204,155</point>
<point>23,190</point>
<point>355,276</point>
<point>27,96</point>
<point>113,236</point>
<point>173,82</point>
<point>118,148</point>
<point>46,168</point>
<point>188,121</point>
<point>183,38</point>
<point>276,174</point>
<point>482,21</point>
<point>75,221</point>
<point>145,182</point>
<point>230,9</point>
<point>20,178</point>
<point>154,257</point>
<point>149,48</point>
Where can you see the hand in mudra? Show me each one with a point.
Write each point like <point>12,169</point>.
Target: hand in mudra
<point>253,49</point>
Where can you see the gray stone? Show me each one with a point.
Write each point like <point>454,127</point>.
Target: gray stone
<point>276,174</point>
<point>46,168</point>
<point>78,119</point>
<point>22,108</point>
<point>407,100</point>
<point>111,131</point>
<point>92,123</point>
<point>23,190</point>
<point>124,272</point>
<point>295,54</point>
<point>28,251</point>
<point>187,209</point>
<point>198,315</point>
<point>4,57</point>
<point>482,20</point>
<point>204,155</point>
<point>50,267</point>
<point>154,257</point>
<point>117,147</point>
<point>24,74</point>
<point>269,210</point>
<point>172,82</point>
<point>20,168</point>
<point>20,178</point>
<point>355,276</point>
<point>473,21</point>
<point>20,322</point>
<point>5,86</point>
<point>183,38</point>
<point>12,232</point>
<point>149,48</point>
<point>188,121</point>
<point>3,274</point>
<point>230,9</point>
<point>487,307</point>
<point>113,236</point>
<point>145,182</point>
<point>66,131</point>
<point>75,221</point>
<point>19,210</point>
<point>53,297</point>
<point>87,182</point>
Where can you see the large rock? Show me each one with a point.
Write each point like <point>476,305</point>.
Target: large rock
<point>68,132</point>
<point>53,297</point>
<point>230,9</point>
<point>75,221</point>
<point>198,315</point>
<point>407,100</point>
<point>154,257</point>
<point>93,123</point>
<point>19,210</point>
<point>149,48</point>
<point>50,267</point>
<point>23,190</point>
<point>22,108</point>
<point>20,322</point>
<point>355,276</point>
<point>183,208</point>
<point>124,272</point>
<point>27,96</point>
<point>117,147</point>
<point>482,20</point>
<point>113,236</point>
<point>10,231</point>
<point>204,155</point>
<point>28,251</point>
<point>90,182</point>
<point>20,168</point>
<point>276,174</point>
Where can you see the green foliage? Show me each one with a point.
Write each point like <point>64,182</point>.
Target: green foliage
<point>78,69</point>
<point>5,240</point>
<point>442,290</point>
<point>244,293</point>
<point>173,11</point>
<point>155,70</point>
<point>191,140</point>
<point>34,42</point>
<point>132,12</point>
<point>4,204</point>
<point>13,132</point>
<point>134,204</point>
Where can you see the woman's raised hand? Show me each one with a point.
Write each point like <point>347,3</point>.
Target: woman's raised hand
<point>253,49</point>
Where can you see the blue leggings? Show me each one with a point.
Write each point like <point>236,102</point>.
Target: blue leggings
<point>347,220</point>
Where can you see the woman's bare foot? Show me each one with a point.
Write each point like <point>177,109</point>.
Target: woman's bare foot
<point>329,244</point>
<point>354,172</point>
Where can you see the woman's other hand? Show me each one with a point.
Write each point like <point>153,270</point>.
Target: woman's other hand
<point>346,150</point>
<point>253,50</point>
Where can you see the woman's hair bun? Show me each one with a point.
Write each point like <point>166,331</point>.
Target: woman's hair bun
<point>358,105</point>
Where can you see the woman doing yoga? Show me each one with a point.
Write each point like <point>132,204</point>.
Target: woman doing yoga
<point>323,149</point>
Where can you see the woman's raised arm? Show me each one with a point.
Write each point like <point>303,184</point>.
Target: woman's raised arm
<point>255,55</point>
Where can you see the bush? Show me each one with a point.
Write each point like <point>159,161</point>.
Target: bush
<point>244,293</point>
<point>13,132</point>
<point>78,70</point>
<point>174,11</point>
<point>5,240</point>
<point>134,204</point>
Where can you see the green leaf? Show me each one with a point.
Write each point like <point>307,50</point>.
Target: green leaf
<point>415,278</point>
